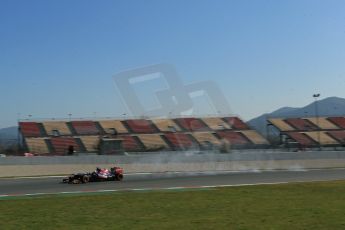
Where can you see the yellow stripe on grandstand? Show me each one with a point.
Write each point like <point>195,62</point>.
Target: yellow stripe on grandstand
<point>324,138</point>
<point>61,126</point>
<point>216,123</point>
<point>166,125</point>
<point>107,125</point>
<point>152,141</point>
<point>37,145</point>
<point>255,137</point>
<point>281,124</point>
<point>203,137</point>
<point>323,123</point>
<point>90,142</point>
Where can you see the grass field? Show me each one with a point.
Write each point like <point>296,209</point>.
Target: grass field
<point>318,205</point>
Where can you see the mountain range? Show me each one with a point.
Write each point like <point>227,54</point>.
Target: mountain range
<point>8,135</point>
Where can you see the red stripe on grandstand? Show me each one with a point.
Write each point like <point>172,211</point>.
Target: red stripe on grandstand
<point>339,121</point>
<point>235,138</point>
<point>30,129</point>
<point>338,135</point>
<point>61,144</point>
<point>141,126</point>
<point>85,127</point>
<point>192,124</point>
<point>301,138</point>
<point>129,143</point>
<point>179,140</point>
<point>301,124</point>
<point>235,123</point>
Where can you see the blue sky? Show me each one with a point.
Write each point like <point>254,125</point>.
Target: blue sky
<point>59,57</point>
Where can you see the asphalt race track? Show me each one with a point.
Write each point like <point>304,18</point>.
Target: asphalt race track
<point>21,186</point>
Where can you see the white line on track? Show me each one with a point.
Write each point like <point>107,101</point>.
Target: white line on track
<point>152,189</point>
<point>174,172</point>
<point>108,190</point>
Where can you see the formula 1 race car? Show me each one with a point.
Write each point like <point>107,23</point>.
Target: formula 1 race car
<point>114,174</point>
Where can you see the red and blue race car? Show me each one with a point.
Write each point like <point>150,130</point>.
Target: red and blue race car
<point>112,174</point>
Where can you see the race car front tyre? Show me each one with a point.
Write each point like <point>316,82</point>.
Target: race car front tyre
<point>85,179</point>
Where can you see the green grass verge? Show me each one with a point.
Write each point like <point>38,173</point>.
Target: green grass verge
<point>319,205</point>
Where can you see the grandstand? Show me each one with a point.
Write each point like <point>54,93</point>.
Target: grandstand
<point>311,132</point>
<point>138,135</point>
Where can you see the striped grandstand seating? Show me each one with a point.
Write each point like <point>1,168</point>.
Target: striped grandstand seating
<point>280,124</point>
<point>236,123</point>
<point>131,143</point>
<point>308,132</point>
<point>37,145</point>
<point>255,137</point>
<point>30,129</point>
<point>322,123</point>
<point>339,121</point>
<point>325,139</point>
<point>338,135</point>
<point>301,138</point>
<point>192,124</point>
<point>85,127</point>
<point>138,134</point>
<point>166,125</point>
<point>90,142</point>
<point>110,125</point>
<point>61,144</point>
<point>60,126</point>
<point>141,126</point>
<point>206,137</point>
<point>153,141</point>
<point>216,123</point>
<point>179,140</point>
<point>234,138</point>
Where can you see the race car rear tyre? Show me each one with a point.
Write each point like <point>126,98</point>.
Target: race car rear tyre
<point>85,179</point>
<point>119,177</point>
